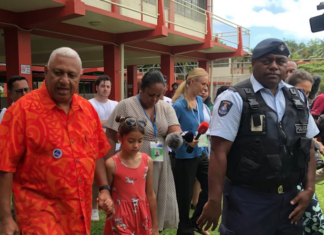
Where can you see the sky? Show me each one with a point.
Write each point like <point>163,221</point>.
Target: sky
<point>283,19</point>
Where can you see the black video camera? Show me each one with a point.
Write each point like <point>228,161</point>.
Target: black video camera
<point>317,22</point>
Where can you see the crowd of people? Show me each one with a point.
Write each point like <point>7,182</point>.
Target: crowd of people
<point>64,158</point>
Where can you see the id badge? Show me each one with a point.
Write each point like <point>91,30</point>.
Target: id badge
<point>156,151</point>
<point>203,141</point>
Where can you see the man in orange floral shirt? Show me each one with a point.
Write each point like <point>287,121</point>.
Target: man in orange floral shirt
<point>51,149</point>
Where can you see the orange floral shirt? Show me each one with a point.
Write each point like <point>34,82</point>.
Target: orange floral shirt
<point>53,157</point>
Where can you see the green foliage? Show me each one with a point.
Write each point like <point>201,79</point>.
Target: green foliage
<point>315,68</point>
<point>312,49</point>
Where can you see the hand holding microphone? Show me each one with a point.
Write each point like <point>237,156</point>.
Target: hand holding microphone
<point>202,129</point>
<point>175,140</point>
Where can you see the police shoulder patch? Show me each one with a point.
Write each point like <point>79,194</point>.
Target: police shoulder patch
<point>224,107</point>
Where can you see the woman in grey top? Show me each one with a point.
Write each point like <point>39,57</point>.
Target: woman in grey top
<point>161,120</point>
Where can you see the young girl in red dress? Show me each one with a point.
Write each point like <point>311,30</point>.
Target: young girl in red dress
<point>130,175</point>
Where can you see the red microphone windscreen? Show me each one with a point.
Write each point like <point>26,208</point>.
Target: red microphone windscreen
<point>202,129</point>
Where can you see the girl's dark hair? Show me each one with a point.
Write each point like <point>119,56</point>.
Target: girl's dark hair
<point>125,129</point>
<point>151,78</point>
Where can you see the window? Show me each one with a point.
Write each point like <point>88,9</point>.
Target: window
<point>189,10</point>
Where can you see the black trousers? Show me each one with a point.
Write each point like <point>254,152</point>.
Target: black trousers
<point>249,212</point>
<point>185,172</point>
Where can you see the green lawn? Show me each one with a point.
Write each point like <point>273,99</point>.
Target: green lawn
<point>97,227</point>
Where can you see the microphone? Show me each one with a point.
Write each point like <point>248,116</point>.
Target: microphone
<point>202,129</point>
<point>187,136</point>
<point>175,140</point>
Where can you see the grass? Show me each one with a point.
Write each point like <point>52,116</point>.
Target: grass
<point>98,227</point>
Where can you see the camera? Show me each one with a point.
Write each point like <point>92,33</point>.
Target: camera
<point>317,22</point>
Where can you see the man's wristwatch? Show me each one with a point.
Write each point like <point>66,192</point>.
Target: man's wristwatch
<point>104,187</point>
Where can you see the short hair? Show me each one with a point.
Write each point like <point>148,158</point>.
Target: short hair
<point>64,51</point>
<point>299,76</point>
<point>151,78</point>
<point>102,78</point>
<point>14,79</point>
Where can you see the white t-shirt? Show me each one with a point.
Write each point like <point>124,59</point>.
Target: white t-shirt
<point>167,99</point>
<point>104,111</point>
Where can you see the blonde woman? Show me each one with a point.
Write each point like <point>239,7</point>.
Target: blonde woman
<point>188,106</point>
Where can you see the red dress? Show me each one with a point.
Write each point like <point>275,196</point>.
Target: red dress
<point>128,192</point>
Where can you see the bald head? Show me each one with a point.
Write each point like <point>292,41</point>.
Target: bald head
<point>291,67</point>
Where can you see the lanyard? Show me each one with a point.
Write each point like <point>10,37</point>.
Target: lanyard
<point>197,119</point>
<point>154,119</point>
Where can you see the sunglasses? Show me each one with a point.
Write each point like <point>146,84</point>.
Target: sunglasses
<point>21,91</point>
<point>132,122</point>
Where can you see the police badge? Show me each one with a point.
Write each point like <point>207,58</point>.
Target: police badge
<point>224,107</point>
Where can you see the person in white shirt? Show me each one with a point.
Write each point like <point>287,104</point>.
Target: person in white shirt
<point>104,108</point>
<point>17,88</point>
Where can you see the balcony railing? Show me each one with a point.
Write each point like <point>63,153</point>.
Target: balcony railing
<point>227,32</point>
<point>186,16</point>
<point>145,10</point>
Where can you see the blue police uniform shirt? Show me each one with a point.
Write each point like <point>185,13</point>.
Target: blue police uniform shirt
<point>188,120</point>
<point>226,124</point>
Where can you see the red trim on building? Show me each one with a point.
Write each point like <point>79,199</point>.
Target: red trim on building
<point>149,46</point>
<point>138,36</point>
<point>75,33</point>
<point>171,15</point>
<point>32,19</point>
<point>194,55</point>
<point>167,69</point>
<point>208,41</point>
<point>112,68</point>
<point>132,80</point>
<point>115,8</point>
<point>119,16</point>
<point>18,54</point>
<point>205,64</point>
<point>8,17</point>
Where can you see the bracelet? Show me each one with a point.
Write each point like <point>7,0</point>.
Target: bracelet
<point>104,187</point>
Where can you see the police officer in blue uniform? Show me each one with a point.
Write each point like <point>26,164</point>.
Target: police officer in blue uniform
<point>261,150</point>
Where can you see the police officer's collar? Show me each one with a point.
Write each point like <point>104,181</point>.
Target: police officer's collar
<point>257,85</point>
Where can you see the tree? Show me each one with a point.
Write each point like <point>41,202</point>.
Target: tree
<point>315,68</point>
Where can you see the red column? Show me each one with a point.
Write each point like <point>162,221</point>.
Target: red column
<point>112,69</point>
<point>208,5</point>
<point>171,14</point>
<point>18,55</point>
<point>167,68</point>
<point>94,87</point>
<point>131,80</point>
<point>115,8</point>
<point>205,64</point>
